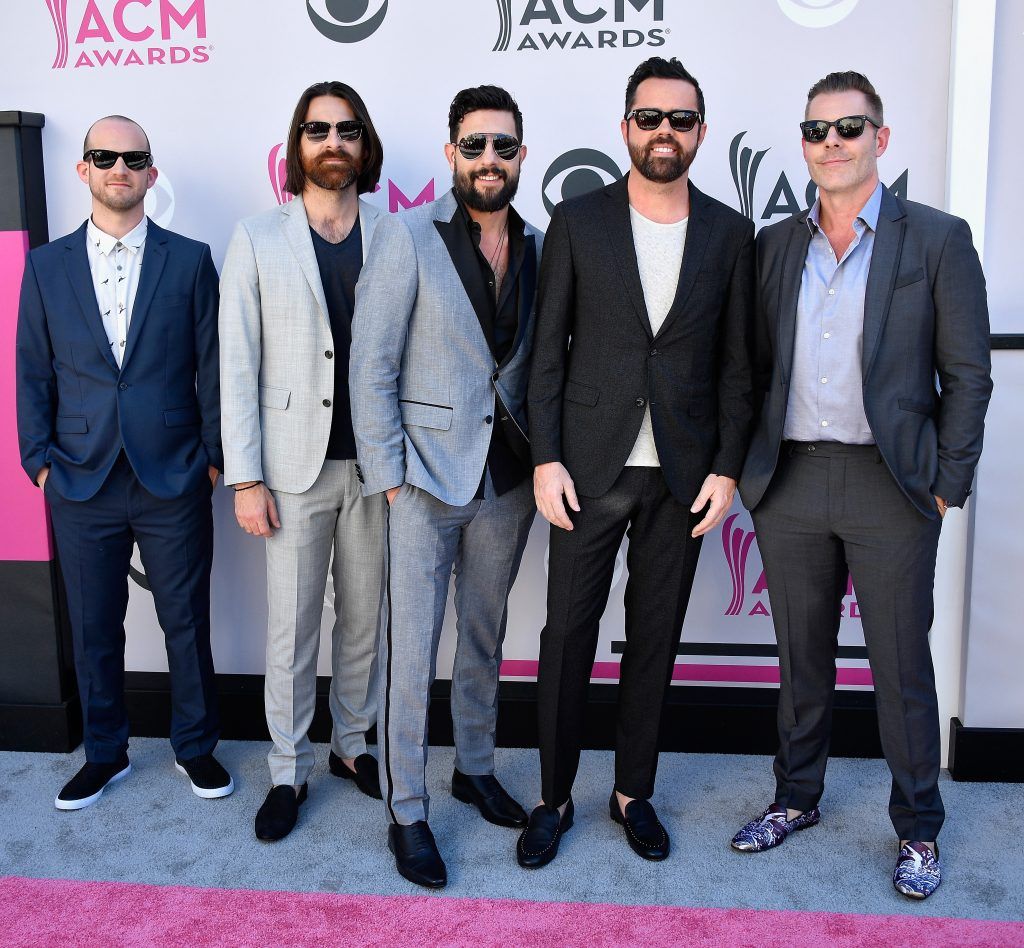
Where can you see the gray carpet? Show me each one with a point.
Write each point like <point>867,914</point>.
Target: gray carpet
<point>151,828</point>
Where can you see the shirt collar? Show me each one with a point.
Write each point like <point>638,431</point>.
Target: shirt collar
<point>868,213</point>
<point>104,243</point>
<point>516,225</point>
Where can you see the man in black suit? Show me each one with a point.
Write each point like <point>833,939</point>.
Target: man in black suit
<point>864,300</point>
<point>640,407</point>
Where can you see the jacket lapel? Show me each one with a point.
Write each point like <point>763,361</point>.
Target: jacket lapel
<point>76,261</point>
<point>154,257</point>
<point>368,217</point>
<point>620,234</point>
<point>698,230</point>
<point>296,229</point>
<point>885,264</point>
<point>790,278</point>
<point>522,280</point>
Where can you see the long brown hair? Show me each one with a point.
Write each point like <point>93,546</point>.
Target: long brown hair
<point>295,180</point>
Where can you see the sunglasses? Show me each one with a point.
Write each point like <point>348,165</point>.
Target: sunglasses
<point>348,131</point>
<point>849,126</point>
<point>104,159</point>
<point>506,147</point>
<point>679,120</point>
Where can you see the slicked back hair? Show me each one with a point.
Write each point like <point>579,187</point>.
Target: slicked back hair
<point>373,159</point>
<point>848,81</point>
<point>657,67</point>
<point>493,98</point>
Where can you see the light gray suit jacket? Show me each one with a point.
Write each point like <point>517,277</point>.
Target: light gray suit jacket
<point>275,334</point>
<point>422,377</point>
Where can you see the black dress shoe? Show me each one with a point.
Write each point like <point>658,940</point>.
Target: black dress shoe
<point>644,832</point>
<point>538,843</point>
<point>489,797</point>
<point>277,817</point>
<point>366,774</point>
<point>416,855</point>
<point>88,784</point>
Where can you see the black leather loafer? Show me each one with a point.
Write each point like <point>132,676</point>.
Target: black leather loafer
<point>489,797</point>
<point>538,843</point>
<point>279,813</point>
<point>416,855</point>
<point>366,775</point>
<point>644,832</point>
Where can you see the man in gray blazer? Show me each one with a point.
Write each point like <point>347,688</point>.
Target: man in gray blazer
<point>865,300</point>
<point>287,296</point>
<point>440,356</point>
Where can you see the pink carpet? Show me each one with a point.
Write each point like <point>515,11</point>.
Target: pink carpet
<point>44,912</point>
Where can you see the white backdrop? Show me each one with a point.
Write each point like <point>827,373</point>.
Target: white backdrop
<point>214,83</point>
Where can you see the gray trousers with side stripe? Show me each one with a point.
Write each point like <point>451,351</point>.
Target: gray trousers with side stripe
<point>330,516</point>
<point>483,542</point>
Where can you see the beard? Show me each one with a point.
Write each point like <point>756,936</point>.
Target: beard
<point>464,184</point>
<point>117,199</point>
<point>332,177</point>
<point>662,169</point>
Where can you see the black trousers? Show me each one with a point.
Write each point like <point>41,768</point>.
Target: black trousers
<point>831,509</point>
<point>661,562</point>
<point>94,540</point>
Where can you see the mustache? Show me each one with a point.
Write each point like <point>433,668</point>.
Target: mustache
<point>333,156</point>
<point>495,170</point>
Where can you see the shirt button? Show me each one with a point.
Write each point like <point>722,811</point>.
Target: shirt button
<point>122,343</point>
<point>824,424</point>
<point>120,268</point>
<point>488,420</point>
<point>327,403</point>
<point>329,354</point>
<point>827,335</point>
<point>496,376</point>
<point>831,292</point>
<point>823,380</point>
<point>640,402</point>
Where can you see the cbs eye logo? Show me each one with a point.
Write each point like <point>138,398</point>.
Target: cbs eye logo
<point>816,14</point>
<point>159,202</point>
<point>576,172</point>
<point>346,21</point>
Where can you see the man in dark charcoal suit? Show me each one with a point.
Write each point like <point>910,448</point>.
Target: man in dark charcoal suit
<point>865,300</point>
<point>119,424</point>
<point>640,409</point>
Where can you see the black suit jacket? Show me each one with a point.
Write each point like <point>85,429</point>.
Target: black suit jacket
<point>596,364</point>
<point>925,317</point>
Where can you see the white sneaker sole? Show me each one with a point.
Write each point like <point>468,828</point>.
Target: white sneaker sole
<point>208,793</point>
<point>83,802</point>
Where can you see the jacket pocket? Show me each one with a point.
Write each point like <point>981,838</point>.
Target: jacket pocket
<point>425,415</point>
<point>911,276</point>
<point>923,408</point>
<point>72,424</point>
<point>581,394</point>
<point>274,397</point>
<point>176,417</point>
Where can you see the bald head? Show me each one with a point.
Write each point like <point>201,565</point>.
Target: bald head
<point>114,123</point>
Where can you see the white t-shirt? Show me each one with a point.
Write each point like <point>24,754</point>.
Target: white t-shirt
<point>659,255</point>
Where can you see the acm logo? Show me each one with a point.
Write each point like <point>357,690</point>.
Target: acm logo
<point>347,21</point>
<point>623,24</point>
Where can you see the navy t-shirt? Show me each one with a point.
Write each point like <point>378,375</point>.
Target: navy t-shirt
<point>339,270</point>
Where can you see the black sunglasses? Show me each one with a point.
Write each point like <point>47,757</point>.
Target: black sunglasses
<point>506,147</point>
<point>104,159</point>
<point>679,120</point>
<point>348,131</point>
<point>849,126</point>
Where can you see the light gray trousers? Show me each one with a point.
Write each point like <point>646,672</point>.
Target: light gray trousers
<point>330,516</point>
<point>483,542</point>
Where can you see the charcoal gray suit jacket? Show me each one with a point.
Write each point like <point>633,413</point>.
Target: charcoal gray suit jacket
<point>925,318</point>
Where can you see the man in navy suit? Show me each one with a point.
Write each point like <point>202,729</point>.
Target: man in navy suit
<point>119,425</point>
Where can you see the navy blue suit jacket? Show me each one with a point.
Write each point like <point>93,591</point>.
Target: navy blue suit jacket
<point>76,409</point>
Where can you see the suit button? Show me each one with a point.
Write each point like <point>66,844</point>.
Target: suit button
<point>640,402</point>
<point>329,354</point>
<point>653,352</point>
<point>488,420</point>
<point>496,376</point>
<point>327,403</point>
<point>123,386</point>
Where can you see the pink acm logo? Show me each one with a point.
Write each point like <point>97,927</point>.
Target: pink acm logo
<point>737,544</point>
<point>100,33</point>
<point>277,169</point>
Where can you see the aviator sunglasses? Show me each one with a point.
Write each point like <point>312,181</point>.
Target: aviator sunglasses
<point>506,147</point>
<point>679,120</point>
<point>849,126</point>
<point>104,159</point>
<point>348,131</point>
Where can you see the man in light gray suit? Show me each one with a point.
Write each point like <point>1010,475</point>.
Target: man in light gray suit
<point>287,296</point>
<point>441,345</point>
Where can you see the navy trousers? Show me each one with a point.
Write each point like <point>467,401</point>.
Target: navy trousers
<point>94,543</point>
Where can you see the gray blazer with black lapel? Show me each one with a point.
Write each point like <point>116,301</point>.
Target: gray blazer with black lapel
<point>925,317</point>
<point>423,378</point>
<point>277,350</point>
